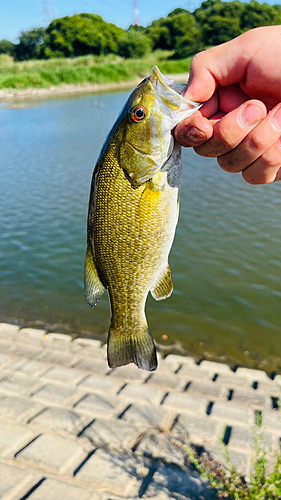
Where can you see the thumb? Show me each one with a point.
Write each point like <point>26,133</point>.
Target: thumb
<point>220,66</point>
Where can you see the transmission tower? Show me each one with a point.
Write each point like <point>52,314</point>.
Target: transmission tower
<point>136,12</point>
<point>48,11</point>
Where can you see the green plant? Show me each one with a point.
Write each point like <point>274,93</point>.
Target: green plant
<point>263,485</point>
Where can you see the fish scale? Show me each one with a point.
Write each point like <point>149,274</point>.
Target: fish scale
<point>133,212</point>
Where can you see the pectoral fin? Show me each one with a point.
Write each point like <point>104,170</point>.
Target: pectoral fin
<point>164,287</point>
<point>93,285</point>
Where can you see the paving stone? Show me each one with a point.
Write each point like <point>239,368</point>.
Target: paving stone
<point>57,393</point>
<point>64,375</point>
<point>6,360</point>
<point>233,381</point>
<point>269,388</point>
<point>272,419</point>
<point>152,415</point>
<point>5,345</point>
<point>33,368</point>
<point>209,390</point>
<point>229,411</point>
<point>53,453</point>
<point>60,358</point>
<point>51,489</point>
<point>92,365</point>
<point>251,374</point>
<point>99,383</point>
<point>181,360</point>
<point>174,480</point>
<point>200,430</point>
<point>195,372</point>
<point>15,482</point>
<point>187,402</point>
<point>18,383</point>
<point>88,343</point>
<point>161,447</point>
<point>214,367</point>
<point>129,373</point>
<point>57,338</point>
<point>18,408</point>
<point>112,472</point>
<point>250,398</point>
<point>165,368</point>
<point>26,350</point>
<point>166,381</point>
<point>243,437</point>
<point>7,328</point>
<point>98,404</point>
<point>239,458</point>
<point>32,332</point>
<point>113,434</point>
<point>60,420</point>
<point>143,392</point>
<point>13,438</point>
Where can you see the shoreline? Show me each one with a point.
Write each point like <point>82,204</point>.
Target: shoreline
<point>164,349</point>
<point>14,95</point>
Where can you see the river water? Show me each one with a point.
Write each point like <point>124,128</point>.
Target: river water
<point>225,261</point>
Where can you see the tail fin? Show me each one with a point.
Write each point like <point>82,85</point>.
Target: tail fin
<point>136,347</point>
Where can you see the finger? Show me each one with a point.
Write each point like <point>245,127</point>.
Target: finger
<point>266,168</point>
<point>210,107</point>
<point>193,131</point>
<point>255,144</point>
<point>221,65</point>
<point>227,63</point>
<point>232,129</point>
<point>231,97</point>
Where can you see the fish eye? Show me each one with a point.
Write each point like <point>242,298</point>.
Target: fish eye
<point>138,113</point>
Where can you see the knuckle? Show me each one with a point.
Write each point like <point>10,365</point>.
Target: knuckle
<point>227,163</point>
<point>255,142</point>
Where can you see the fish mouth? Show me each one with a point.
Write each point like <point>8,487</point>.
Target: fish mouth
<point>162,82</point>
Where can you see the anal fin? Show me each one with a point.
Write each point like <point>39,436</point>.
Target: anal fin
<point>164,287</point>
<point>93,285</point>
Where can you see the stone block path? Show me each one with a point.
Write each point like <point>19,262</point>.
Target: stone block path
<point>72,428</point>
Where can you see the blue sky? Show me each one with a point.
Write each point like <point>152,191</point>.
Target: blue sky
<point>17,15</point>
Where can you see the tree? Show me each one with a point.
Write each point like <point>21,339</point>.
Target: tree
<point>134,45</point>
<point>219,21</point>
<point>82,34</point>
<point>31,44</point>
<point>179,31</point>
<point>7,47</point>
<point>256,14</point>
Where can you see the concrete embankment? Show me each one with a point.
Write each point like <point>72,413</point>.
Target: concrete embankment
<point>70,427</point>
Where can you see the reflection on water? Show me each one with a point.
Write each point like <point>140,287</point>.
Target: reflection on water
<point>225,261</point>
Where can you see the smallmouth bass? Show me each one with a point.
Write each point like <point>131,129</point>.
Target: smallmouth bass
<point>133,213</point>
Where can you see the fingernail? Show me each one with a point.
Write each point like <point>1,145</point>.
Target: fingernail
<point>195,134</point>
<point>251,115</point>
<point>276,119</point>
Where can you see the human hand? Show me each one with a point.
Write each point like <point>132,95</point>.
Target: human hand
<point>240,123</point>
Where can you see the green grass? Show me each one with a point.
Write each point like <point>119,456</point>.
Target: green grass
<point>227,483</point>
<point>86,69</point>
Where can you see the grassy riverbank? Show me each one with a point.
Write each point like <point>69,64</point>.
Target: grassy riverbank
<point>85,70</point>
